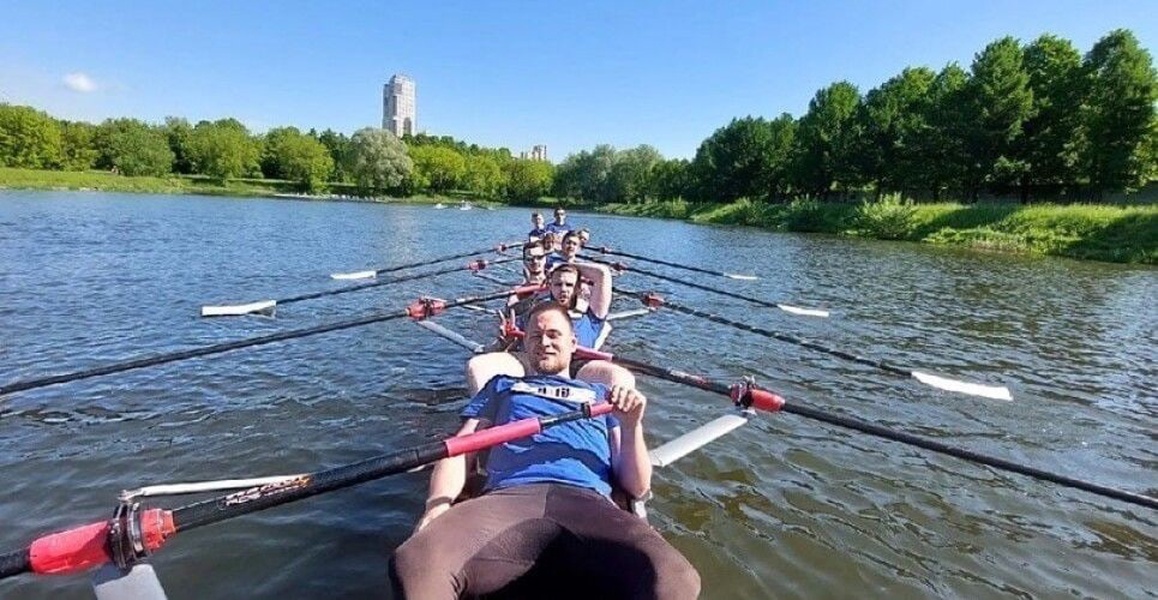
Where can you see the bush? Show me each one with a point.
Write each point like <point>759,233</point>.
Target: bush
<point>807,215</point>
<point>889,219</point>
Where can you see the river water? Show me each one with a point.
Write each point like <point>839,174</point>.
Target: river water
<point>784,507</point>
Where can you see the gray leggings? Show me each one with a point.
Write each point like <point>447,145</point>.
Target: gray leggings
<point>581,545</point>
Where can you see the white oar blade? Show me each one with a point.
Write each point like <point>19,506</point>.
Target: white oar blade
<point>355,275</point>
<point>995,392</point>
<point>637,312</point>
<point>807,312</point>
<point>695,439</point>
<point>741,277</point>
<point>265,307</point>
<point>138,582</point>
<point>453,336</point>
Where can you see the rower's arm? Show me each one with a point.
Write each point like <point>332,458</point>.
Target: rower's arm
<point>448,479</point>
<point>629,460</point>
<point>600,276</point>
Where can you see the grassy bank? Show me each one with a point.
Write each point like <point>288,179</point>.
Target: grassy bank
<point>1127,234</point>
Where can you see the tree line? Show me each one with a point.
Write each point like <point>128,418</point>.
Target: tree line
<point>371,159</point>
<point>1038,121</point>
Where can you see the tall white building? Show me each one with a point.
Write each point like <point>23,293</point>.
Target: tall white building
<point>399,108</point>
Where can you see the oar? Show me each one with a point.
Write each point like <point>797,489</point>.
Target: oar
<point>369,274</point>
<point>788,308</point>
<point>995,392</point>
<point>420,309</point>
<point>267,307</point>
<point>133,533</point>
<point>606,250</point>
<point>767,401</point>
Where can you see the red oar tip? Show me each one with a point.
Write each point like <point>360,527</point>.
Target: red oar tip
<point>71,551</point>
<point>752,397</point>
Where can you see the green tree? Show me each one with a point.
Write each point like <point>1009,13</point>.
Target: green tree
<point>341,152</point>
<point>133,148</point>
<point>587,175</point>
<point>437,167</point>
<point>290,154</point>
<point>29,138</point>
<point>483,175</point>
<point>1118,122</point>
<point>672,179</point>
<point>77,150</point>
<point>736,161</point>
<point>827,139</point>
<point>177,132</point>
<point>223,150</point>
<point>1051,136</point>
<point>943,145</point>
<point>632,172</point>
<point>894,119</point>
<point>998,101</point>
<point>527,180</point>
<point>379,160</point>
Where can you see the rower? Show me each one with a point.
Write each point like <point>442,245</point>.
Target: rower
<point>544,519</point>
<point>537,228</point>
<point>567,253</point>
<point>559,225</point>
<point>590,326</point>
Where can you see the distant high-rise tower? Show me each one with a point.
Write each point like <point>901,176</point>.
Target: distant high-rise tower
<point>399,109</point>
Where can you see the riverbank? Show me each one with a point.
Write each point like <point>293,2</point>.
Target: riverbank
<point>103,181</point>
<point>1110,233</point>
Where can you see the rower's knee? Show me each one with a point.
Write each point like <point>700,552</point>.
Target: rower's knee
<point>482,368</point>
<point>607,373</point>
<point>415,571</point>
<point>678,579</point>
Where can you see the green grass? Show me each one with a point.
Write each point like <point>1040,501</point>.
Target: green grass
<point>1111,233</point>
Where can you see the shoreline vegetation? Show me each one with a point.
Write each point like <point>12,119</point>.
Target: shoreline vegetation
<point>1109,233</point>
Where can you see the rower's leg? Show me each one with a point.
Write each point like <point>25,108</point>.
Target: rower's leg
<point>602,371</point>
<point>482,368</point>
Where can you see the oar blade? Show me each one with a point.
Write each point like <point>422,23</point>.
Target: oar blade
<point>355,275</point>
<point>741,277</point>
<point>264,307</point>
<point>695,439</point>
<point>994,392</point>
<point>807,312</point>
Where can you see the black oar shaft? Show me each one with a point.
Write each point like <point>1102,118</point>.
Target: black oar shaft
<point>692,284</point>
<point>252,500</point>
<point>160,359</point>
<point>692,268</point>
<point>440,259</point>
<point>373,284</point>
<point>783,337</point>
<point>897,436</point>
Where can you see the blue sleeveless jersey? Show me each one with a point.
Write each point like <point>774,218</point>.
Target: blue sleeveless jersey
<point>576,453</point>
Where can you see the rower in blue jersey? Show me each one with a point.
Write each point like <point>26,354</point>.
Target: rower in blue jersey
<point>538,230</point>
<point>560,225</point>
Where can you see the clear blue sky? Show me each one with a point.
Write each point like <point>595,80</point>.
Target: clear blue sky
<point>568,75</point>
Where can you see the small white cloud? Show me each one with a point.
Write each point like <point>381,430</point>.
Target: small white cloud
<point>79,82</point>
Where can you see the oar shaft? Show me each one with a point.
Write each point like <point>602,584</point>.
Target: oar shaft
<point>692,268</point>
<point>881,432</point>
<point>149,361</point>
<point>91,545</point>
<point>783,337</point>
<point>441,259</point>
<point>373,284</point>
<point>692,284</point>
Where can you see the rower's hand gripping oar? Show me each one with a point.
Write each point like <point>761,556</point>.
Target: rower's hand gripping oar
<point>767,401</point>
<point>268,307</point>
<point>788,308</point>
<point>135,532</point>
<point>606,250</point>
<point>372,273</point>
<point>995,392</point>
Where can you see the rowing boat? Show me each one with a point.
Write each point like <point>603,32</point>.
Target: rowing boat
<point>121,546</point>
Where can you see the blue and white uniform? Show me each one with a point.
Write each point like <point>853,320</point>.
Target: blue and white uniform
<point>538,232</point>
<point>576,453</point>
<point>560,230</point>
